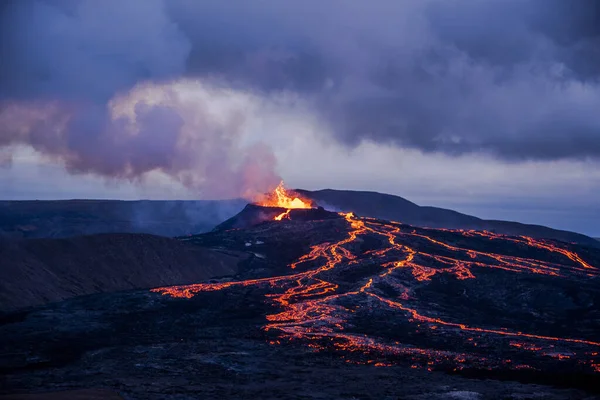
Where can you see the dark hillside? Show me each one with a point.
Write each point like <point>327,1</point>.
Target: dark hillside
<point>36,271</point>
<point>396,208</point>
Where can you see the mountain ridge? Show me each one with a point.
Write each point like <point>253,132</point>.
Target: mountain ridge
<point>172,218</point>
<point>68,218</point>
<point>392,207</point>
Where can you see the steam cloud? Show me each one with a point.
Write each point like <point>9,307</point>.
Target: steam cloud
<point>169,128</point>
<point>517,79</point>
<point>73,95</point>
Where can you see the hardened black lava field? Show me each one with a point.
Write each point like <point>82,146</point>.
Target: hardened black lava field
<point>324,297</point>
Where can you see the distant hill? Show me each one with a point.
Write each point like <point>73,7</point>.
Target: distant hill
<point>65,218</point>
<point>68,218</point>
<point>36,271</point>
<point>396,208</point>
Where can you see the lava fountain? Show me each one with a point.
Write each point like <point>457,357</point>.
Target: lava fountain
<point>283,198</point>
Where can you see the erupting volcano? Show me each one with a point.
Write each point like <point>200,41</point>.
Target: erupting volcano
<point>385,293</point>
<point>331,298</point>
<point>280,197</point>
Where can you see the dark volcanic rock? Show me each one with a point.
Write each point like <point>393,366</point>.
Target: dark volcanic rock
<point>147,346</point>
<point>35,271</point>
<point>81,394</point>
<point>311,214</point>
<point>381,293</point>
<point>340,307</point>
<point>254,214</point>
<point>249,216</point>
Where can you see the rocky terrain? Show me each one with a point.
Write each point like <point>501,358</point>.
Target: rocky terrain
<point>36,271</point>
<point>146,346</point>
<point>329,305</point>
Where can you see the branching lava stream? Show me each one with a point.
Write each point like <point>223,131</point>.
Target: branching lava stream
<point>315,308</point>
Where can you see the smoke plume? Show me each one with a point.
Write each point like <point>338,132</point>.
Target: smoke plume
<point>92,85</point>
<point>169,128</point>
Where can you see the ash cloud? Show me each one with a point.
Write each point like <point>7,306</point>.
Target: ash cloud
<point>517,79</point>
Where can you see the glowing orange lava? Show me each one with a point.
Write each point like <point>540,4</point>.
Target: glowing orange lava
<point>281,197</point>
<point>283,215</point>
<point>309,306</point>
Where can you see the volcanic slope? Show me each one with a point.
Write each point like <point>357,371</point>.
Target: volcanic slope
<point>37,271</point>
<point>382,292</point>
<point>390,207</point>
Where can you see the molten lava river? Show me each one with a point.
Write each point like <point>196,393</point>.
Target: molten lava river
<point>386,293</point>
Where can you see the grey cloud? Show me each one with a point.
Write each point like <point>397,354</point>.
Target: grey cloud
<point>509,32</point>
<point>513,78</point>
<point>517,79</point>
<point>62,61</point>
<point>87,49</point>
<point>184,141</point>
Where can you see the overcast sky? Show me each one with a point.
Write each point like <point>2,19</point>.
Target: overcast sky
<point>489,107</point>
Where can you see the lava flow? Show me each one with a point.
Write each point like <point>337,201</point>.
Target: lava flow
<point>383,305</point>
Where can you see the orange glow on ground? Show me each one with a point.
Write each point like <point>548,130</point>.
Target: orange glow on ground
<point>308,306</point>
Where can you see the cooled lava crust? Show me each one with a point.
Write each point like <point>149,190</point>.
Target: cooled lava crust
<point>330,303</point>
<point>385,293</point>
